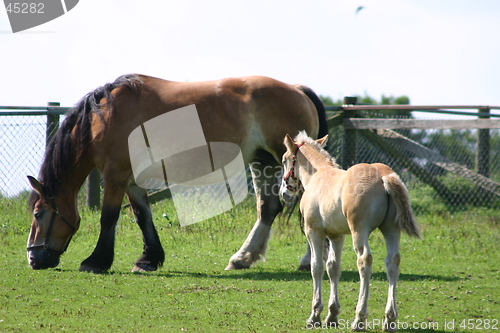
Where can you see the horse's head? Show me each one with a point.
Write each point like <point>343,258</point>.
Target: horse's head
<point>51,229</point>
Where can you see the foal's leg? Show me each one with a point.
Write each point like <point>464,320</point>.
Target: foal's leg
<point>266,187</point>
<point>360,243</point>
<point>102,258</point>
<point>392,260</point>
<point>153,255</point>
<point>333,268</point>
<point>317,271</point>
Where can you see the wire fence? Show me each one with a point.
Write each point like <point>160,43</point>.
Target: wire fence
<point>439,166</point>
<point>22,145</point>
<point>442,168</point>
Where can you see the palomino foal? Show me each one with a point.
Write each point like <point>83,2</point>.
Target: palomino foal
<point>336,202</point>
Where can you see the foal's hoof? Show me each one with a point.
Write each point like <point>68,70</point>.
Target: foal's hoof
<point>389,326</point>
<point>358,326</point>
<point>90,269</point>
<point>313,323</point>
<point>143,268</point>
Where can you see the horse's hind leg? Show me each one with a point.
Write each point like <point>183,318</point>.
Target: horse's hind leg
<point>266,187</point>
<point>333,268</point>
<point>360,243</point>
<point>305,261</point>
<point>392,260</point>
<point>153,255</point>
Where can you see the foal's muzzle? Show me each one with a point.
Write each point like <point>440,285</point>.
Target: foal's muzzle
<point>285,194</point>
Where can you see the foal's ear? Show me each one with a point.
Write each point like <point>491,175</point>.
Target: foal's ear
<point>322,141</point>
<point>36,185</point>
<point>289,144</point>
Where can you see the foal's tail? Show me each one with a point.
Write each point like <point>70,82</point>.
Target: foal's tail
<point>404,214</point>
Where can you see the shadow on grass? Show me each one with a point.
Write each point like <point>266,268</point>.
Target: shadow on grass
<point>347,276</point>
<point>282,275</point>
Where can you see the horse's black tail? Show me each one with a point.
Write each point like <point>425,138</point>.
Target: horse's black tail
<point>320,108</point>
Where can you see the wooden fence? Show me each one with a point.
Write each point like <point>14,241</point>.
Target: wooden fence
<point>380,132</point>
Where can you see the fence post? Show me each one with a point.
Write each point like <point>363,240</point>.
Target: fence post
<point>52,122</point>
<point>349,139</point>
<point>483,147</point>
<point>94,189</point>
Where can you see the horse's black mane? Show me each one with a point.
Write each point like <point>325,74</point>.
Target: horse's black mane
<point>62,153</point>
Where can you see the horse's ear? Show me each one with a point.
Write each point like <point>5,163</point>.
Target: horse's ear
<point>36,185</point>
<point>289,144</point>
<point>322,142</point>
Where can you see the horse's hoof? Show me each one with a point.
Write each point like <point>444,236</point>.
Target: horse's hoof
<point>304,268</point>
<point>90,269</point>
<point>143,268</point>
<point>235,265</point>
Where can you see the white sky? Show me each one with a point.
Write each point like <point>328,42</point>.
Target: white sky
<point>434,51</point>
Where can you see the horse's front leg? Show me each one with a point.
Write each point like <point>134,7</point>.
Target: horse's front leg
<point>153,255</point>
<point>102,258</point>
<point>266,187</point>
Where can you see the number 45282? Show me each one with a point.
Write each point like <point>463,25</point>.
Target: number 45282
<point>479,324</point>
<point>25,8</point>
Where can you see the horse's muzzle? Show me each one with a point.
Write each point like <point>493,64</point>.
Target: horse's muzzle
<point>43,258</point>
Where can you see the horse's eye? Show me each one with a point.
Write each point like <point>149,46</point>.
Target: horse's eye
<point>38,214</point>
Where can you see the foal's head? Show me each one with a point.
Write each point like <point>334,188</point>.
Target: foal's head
<point>290,183</point>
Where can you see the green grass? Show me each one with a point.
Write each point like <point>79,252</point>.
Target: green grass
<point>450,277</point>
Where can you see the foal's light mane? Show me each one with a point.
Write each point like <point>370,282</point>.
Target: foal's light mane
<point>303,138</point>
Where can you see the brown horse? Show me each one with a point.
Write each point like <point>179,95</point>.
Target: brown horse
<point>337,202</point>
<point>251,112</point>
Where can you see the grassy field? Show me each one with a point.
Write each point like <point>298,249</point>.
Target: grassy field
<point>449,281</point>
